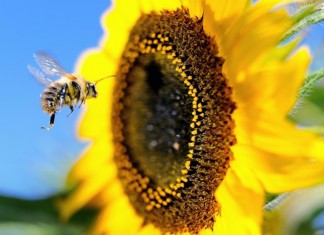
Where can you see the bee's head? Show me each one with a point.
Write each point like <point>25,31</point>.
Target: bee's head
<point>92,91</point>
<point>91,87</point>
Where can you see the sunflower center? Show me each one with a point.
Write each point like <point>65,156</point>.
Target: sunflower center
<point>157,118</point>
<point>172,122</point>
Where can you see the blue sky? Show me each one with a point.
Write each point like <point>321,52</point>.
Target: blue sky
<point>34,162</point>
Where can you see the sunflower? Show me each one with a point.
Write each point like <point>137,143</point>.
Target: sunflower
<point>193,129</point>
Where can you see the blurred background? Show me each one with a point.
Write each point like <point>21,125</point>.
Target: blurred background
<point>34,162</point>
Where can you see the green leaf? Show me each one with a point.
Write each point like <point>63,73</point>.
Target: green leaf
<point>40,217</point>
<point>310,81</point>
<point>309,109</point>
<point>306,16</point>
<point>299,213</point>
<point>273,201</point>
<point>11,228</point>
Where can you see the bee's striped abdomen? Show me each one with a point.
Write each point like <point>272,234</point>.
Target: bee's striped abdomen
<point>50,98</point>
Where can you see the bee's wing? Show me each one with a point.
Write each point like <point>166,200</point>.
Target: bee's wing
<point>49,65</point>
<point>41,78</point>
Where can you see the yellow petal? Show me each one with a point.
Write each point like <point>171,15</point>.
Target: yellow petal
<point>226,9</point>
<point>115,42</point>
<point>281,174</point>
<point>282,156</point>
<point>245,40</point>
<point>273,89</point>
<point>160,5</point>
<point>104,67</point>
<point>103,64</point>
<point>83,193</point>
<point>89,184</point>
<point>241,197</point>
<point>87,163</point>
<point>220,15</point>
<point>120,10</point>
<point>196,7</point>
<point>259,30</point>
<point>282,52</point>
<point>118,218</point>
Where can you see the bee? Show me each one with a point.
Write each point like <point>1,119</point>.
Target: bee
<point>69,90</point>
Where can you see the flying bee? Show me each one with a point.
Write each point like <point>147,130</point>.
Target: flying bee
<point>69,90</point>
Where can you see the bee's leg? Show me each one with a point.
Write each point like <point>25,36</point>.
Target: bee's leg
<point>72,109</point>
<point>52,119</point>
<point>77,88</point>
<point>61,96</point>
<point>77,95</point>
<point>82,102</point>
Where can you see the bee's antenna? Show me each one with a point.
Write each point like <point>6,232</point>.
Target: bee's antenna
<point>104,78</point>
